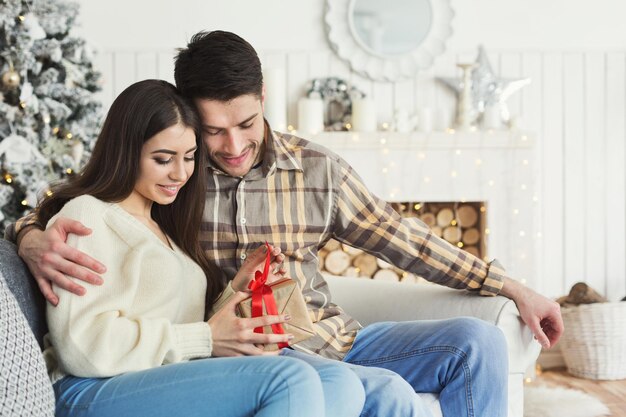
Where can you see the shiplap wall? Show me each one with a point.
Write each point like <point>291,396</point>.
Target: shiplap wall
<point>575,105</point>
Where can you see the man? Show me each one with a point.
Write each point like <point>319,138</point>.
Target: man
<point>270,186</point>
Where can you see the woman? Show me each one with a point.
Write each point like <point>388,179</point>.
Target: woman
<point>125,347</point>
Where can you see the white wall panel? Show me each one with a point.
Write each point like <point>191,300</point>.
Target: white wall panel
<point>615,176</point>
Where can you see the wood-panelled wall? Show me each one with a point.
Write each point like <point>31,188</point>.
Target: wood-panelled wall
<point>576,105</point>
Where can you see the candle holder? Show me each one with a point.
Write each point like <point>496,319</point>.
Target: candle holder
<point>465,113</point>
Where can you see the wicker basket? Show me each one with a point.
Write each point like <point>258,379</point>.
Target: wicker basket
<point>594,341</point>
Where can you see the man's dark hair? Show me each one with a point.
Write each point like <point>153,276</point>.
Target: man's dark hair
<point>219,66</point>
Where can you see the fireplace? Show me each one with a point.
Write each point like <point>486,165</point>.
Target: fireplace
<point>447,179</point>
<point>461,223</point>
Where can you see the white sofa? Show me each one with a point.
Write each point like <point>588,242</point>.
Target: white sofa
<point>362,299</point>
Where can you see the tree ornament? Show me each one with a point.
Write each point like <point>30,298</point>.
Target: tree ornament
<point>11,79</point>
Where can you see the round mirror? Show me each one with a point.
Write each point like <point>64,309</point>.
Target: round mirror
<point>388,40</point>
<point>397,28</point>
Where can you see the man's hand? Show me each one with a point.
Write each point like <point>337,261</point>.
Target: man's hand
<point>255,262</point>
<point>49,259</point>
<point>541,314</point>
<point>234,336</point>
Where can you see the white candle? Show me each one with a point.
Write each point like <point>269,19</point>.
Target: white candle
<point>492,117</point>
<point>275,105</point>
<point>425,120</point>
<point>363,115</point>
<point>310,115</point>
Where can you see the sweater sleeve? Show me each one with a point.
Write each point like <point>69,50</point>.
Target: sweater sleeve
<point>109,330</point>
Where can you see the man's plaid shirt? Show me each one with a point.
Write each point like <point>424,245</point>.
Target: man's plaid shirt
<point>301,196</point>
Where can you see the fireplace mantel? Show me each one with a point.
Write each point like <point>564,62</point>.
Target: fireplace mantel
<point>490,166</point>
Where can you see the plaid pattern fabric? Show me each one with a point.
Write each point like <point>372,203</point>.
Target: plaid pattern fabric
<point>301,196</point>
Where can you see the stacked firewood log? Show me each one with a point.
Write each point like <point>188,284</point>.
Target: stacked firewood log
<point>460,224</point>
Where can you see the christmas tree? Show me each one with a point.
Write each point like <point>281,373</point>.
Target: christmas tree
<point>49,117</point>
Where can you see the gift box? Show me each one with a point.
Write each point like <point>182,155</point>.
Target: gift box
<point>280,297</point>
<point>288,300</point>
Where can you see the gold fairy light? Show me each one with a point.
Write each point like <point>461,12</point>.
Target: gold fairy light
<point>460,244</point>
<point>49,193</point>
<point>8,178</point>
<point>483,209</point>
<point>453,222</point>
<point>69,171</point>
<point>348,126</point>
<point>383,141</point>
<point>21,18</point>
<point>24,202</point>
<point>69,135</point>
<point>417,206</point>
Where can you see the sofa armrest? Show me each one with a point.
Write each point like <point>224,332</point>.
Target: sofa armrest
<point>371,301</point>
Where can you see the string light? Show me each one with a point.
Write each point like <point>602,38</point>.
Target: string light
<point>417,206</point>
<point>69,171</point>
<point>525,162</point>
<point>483,209</point>
<point>453,174</point>
<point>8,178</point>
<point>453,222</point>
<point>515,211</point>
<point>385,125</point>
<point>385,170</point>
<point>348,126</point>
<point>478,162</point>
<point>458,152</point>
<point>460,244</point>
<point>491,183</point>
<point>421,155</point>
<point>383,141</point>
<point>523,187</point>
<point>49,193</point>
<point>450,131</point>
<point>24,202</point>
<point>21,18</point>
<point>386,151</point>
<point>290,128</point>
<point>69,136</point>
<point>522,233</point>
<point>426,179</point>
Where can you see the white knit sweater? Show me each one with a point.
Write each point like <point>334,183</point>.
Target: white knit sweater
<point>148,312</point>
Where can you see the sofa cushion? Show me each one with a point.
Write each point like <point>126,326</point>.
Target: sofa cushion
<point>25,389</point>
<point>24,288</point>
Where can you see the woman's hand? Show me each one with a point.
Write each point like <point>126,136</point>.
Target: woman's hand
<point>255,262</point>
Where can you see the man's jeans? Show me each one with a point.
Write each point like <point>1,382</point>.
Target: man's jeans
<point>464,360</point>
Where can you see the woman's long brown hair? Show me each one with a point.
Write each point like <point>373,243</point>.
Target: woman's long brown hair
<point>137,114</point>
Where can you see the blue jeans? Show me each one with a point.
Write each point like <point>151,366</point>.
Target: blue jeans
<point>464,360</point>
<point>221,387</point>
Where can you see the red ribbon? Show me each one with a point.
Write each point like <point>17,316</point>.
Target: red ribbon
<point>261,292</point>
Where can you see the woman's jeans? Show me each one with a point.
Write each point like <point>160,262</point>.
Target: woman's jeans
<point>262,386</point>
<point>463,360</point>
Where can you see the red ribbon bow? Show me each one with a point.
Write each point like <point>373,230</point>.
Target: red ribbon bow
<point>261,292</point>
